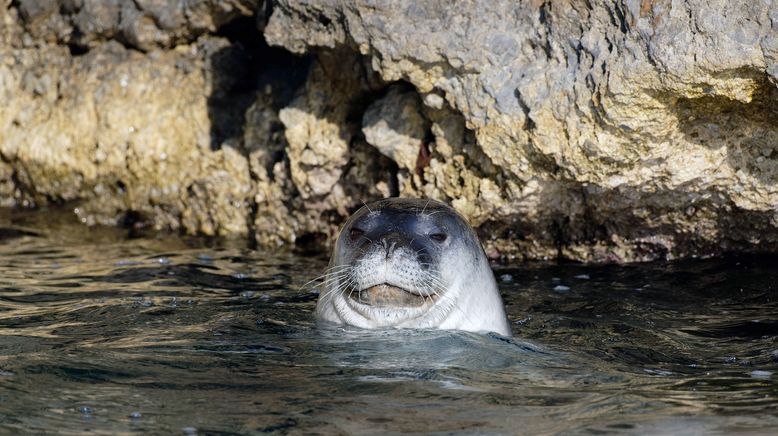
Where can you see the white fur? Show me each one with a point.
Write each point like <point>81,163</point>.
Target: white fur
<point>467,295</point>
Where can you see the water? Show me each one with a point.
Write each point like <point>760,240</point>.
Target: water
<point>104,333</point>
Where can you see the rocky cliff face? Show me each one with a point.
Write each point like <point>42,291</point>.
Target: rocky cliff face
<point>599,131</point>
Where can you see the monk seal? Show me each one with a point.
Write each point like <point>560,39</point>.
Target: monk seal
<point>410,263</point>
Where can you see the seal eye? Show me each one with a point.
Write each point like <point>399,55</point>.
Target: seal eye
<point>355,233</point>
<point>438,237</point>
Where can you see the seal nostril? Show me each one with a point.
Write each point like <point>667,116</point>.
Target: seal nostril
<point>389,246</point>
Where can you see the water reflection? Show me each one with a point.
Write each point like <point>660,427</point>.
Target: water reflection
<point>102,333</point>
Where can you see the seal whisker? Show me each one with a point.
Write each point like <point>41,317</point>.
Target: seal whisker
<point>339,285</point>
<point>330,288</point>
<point>337,268</point>
<point>424,208</point>
<point>351,291</point>
<point>326,276</point>
<point>326,282</point>
<point>332,281</point>
<point>330,295</point>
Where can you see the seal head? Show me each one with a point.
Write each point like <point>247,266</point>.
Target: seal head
<point>412,263</point>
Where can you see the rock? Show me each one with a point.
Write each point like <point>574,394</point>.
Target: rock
<point>324,154</point>
<point>316,127</point>
<point>119,131</point>
<point>596,131</point>
<point>395,126</point>
<point>614,132</point>
<point>143,24</point>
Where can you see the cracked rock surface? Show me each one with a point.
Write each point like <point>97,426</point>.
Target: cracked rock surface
<point>593,130</point>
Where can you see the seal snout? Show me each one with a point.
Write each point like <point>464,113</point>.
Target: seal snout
<point>390,242</point>
<point>397,245</point>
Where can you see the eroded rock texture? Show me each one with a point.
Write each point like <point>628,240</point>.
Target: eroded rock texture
<point>596,130</point>
<point>592,130</point>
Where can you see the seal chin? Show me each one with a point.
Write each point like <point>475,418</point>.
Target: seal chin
<point>387,296</point>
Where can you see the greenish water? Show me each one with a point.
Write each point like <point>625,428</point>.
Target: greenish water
<point>102,333</point>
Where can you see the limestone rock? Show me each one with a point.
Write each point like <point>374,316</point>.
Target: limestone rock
<point>323,150</point>
<point>122,131</point>
<point>599,130</point>
<point>592,130</point>
<point>143,24</point>
<point>395,126</point>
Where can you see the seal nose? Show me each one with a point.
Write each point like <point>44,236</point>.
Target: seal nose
<point>389,246</point>
<point>389,242</point>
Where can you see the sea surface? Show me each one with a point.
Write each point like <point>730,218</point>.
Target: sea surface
<point>110,331</point>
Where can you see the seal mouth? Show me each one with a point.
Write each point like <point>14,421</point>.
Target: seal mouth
<point>386,295</point>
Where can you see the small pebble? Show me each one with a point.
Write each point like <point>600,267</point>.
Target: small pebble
<point>204,257</point>
<point>135,415</point>
<point>239,276</point>
<point>189,430</point>
<point>561,288</point>
<point>583,277</point>
<point>264,297</point>
<point>556,279</point>
<point>247,294</point>
<point>162,260</point>
<point>506,278</point>
<point>761,374</point>
<point>86,410</point>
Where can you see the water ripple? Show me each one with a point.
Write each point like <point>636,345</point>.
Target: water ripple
<point>109,334</point>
